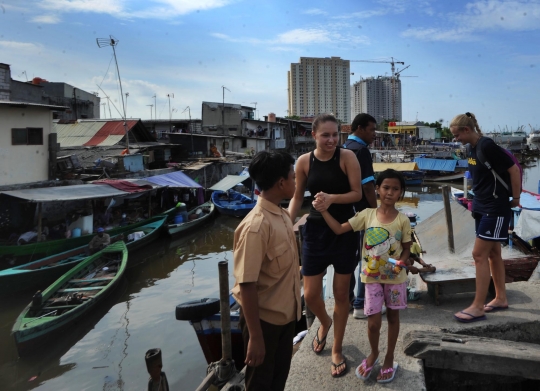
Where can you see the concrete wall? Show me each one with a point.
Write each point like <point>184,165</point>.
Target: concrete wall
<point>26,92</point>
<point>212,118</point>
<point>23,163</point>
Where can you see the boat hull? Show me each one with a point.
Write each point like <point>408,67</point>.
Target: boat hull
<point>236,204</point>
<point>24,277</point>
<point>43,327</point>
<point>177,229</point>
<point>11,256</point>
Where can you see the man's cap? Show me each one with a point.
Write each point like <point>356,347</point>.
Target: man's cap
<point>100,230</point>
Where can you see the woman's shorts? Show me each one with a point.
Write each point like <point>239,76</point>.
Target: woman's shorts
<point>321,247</point>
<point>491,227</point>
<point>394,295</point>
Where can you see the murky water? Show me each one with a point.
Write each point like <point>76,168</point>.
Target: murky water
<point>106,350</point>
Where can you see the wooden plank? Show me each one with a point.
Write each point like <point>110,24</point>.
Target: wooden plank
<point>88,288</point>
<point>448,213</point>
<point>91,279</point>
<point>474,354</point>
<point>56,307</point>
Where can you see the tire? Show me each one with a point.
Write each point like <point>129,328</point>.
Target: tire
<point>197,309</point>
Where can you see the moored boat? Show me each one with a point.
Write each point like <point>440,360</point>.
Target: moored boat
<point>232,203</point>
<point>41,273</point>
<point>69,298</point>
<point>207,212</point>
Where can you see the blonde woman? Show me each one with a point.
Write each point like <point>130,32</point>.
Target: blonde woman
<point>332,175</point>
<point>491,211</point>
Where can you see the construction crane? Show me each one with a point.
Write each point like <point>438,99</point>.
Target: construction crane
<point>393,79</point>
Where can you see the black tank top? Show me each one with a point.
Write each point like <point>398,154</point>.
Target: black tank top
<point>329,178</point>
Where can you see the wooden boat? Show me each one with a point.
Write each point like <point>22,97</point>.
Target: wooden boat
<point>232,203</point>
<point>41,273</point>
<point>13,255</point>
<point>410,171</point>
<point>445,178</point>
<point>208,209</point>
<point>70,297</point>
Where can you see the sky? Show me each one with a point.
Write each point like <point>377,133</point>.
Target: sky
<point>480,56</point>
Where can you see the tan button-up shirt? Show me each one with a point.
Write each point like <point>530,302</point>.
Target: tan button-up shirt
<point>265,252</point>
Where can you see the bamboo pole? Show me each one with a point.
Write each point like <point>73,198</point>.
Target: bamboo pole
<point>448,212</point>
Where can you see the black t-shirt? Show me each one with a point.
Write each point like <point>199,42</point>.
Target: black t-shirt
<point>366,166</point>
<point>484,183</point>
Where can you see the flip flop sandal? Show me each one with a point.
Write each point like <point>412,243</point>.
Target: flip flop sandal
<point>336,366</point>
<point>367,371</point>
<point>320,342</point>
<point>392,370</point>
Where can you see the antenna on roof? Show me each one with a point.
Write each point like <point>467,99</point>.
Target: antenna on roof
<point>111,41</point>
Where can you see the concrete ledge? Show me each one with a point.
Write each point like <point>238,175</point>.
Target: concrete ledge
<point>311,372</point>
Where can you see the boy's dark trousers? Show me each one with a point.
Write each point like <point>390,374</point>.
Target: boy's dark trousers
<point>272,374</point>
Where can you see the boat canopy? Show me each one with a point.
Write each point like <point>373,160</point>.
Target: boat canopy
<point>229,182</point>
<point>412,166</point>
<point>173,179</point>
<point>69,193</point>
<point>426,164</point>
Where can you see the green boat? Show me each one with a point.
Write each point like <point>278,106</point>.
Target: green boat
<point>41,273</point>
<point>208,212</point>
<point>70,297</point>
<point>13,255</point>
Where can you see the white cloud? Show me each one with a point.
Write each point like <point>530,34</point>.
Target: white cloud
<point>330,34</point>
<point>23,46</point>
<point>155,9</point>
<point>315,11</point>
<point>46,19</point>
<point>483,15</point>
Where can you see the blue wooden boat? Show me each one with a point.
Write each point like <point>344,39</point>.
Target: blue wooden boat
<point>41,273</point>
<point>232,203</point>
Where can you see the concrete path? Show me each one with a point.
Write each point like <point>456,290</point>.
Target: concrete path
<point>311,372</point>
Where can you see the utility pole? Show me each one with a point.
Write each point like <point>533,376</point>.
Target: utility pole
<point>255,103</point>
<point>150,111</point>
<point>104,110</point>
<point>169,96</point>
<point>223,109</point>
<point>155,106</point>
<point>127,94</point>
<point>190,127</point>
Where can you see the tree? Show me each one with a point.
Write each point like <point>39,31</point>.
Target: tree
<point>294,117</point>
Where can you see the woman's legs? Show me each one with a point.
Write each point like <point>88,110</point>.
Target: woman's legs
<point>341,313</point>
<point>482,250</point>
<point>498,273</point>
<point>315,302</point>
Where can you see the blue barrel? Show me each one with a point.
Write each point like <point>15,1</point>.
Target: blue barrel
<point>179,218</point>
<point>75,232</point>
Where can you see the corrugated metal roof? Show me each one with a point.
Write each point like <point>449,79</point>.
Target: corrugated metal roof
<point>378,167</point>
<point>91,133</point>
<point>229,182</point>
<point>66,193</point>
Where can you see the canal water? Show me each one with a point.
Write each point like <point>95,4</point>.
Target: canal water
<point>106,350</point>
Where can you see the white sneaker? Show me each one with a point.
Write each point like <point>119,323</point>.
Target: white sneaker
<point>359,314</point>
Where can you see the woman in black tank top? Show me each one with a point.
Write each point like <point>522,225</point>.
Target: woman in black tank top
<point>332,175</point>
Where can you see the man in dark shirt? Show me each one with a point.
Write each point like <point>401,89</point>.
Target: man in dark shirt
<point>362,134</point>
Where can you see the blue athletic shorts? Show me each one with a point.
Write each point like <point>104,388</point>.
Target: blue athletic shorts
<point>491,227</point>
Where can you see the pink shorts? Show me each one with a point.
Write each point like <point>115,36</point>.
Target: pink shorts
<point>394,295</point>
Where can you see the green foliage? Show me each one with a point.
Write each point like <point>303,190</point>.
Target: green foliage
<point>294,117</point>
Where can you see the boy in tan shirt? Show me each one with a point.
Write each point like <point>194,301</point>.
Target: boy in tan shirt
<point>267,278</point>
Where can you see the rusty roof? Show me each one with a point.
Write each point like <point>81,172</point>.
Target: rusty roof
<point>90,133</point>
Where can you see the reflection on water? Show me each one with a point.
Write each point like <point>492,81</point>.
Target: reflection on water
<point>105,351</point>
